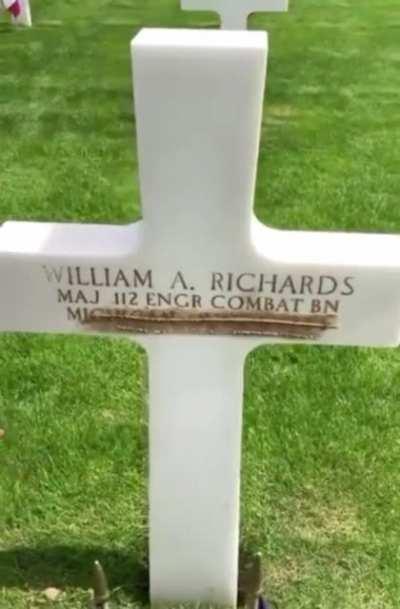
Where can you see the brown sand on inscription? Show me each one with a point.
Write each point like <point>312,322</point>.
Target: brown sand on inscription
<point>173,321</point>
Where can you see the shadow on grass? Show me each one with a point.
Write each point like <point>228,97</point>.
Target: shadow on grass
<point>6,28</point>
<point>64,566</point>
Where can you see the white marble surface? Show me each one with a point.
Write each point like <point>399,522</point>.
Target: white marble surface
<point>198,251</point>
<point>234,13</point>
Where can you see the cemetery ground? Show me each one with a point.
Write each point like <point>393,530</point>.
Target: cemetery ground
<point>321,453</point>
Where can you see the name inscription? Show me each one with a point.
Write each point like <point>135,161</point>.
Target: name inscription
<point>81,291</point>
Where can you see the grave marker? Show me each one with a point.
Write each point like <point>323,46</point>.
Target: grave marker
<point>234,13</point>
<point>199,282</point>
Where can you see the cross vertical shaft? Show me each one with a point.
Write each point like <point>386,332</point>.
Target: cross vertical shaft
<point>198,100</point>
<point>195,438</point>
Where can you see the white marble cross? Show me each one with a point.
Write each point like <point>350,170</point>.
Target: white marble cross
<point>199,282</point>
<point>234,13</point>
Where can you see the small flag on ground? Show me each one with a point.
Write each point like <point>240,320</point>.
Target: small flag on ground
<point>20,11</point>
<point>13,6</point>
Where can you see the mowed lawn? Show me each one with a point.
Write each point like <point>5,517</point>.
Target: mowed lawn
<point>321,456</point>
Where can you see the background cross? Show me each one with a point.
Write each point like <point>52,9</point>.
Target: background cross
<point>234,13</point>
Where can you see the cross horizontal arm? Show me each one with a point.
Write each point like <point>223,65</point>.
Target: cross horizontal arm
<point>198,148</point>
<point>353,276</point>
<point>331,288</point>
<point>51,274</point>
<point>196,388</point>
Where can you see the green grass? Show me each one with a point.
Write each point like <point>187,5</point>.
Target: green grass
<point>321,459</point>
